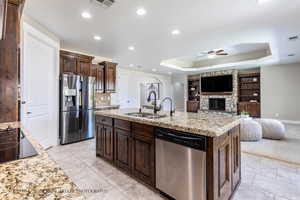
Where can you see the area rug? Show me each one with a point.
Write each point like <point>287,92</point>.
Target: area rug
<point>286,150</point>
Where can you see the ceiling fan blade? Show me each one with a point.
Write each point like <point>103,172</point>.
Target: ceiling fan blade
<point>222,54</point>
<point>220,51</point>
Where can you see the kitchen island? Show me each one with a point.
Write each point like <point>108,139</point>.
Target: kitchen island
<point>130,143</point>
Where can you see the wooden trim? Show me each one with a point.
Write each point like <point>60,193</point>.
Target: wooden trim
<point>216,93</point>
<point>76,55</point>
<point>16,2</point>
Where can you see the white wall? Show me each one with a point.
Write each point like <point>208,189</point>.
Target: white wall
<point>280,92</point>
<point>128,93</point>
<point>179,88</point>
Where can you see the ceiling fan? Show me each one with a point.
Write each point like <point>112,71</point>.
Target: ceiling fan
<point>214,53</point>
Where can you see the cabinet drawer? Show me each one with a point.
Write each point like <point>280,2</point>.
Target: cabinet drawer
<point>8,145</point>
<point>122,124</point>
<point>142,130</point>
<point>8,135</point>
<point>104,120</point>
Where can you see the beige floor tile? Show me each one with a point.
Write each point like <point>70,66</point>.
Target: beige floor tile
<point>248,192</point>
<point>278,187</point>
<point>113,194</point>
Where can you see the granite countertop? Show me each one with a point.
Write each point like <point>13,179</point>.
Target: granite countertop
<point>9,125</point>
<point>35,178</point>
<point>209,124</point>
<point>107,107</point>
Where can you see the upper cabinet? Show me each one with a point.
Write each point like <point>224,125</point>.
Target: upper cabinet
<point>105,72</point>
<point>75,63</point>
<point>97,71</point>
<point>3,9</point>
<point>110,76</point>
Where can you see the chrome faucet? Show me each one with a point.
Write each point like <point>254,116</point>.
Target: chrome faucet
<point>155,109</point>
<point>171,105</point>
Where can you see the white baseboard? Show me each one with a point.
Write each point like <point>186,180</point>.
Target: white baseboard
<point>291,122</point>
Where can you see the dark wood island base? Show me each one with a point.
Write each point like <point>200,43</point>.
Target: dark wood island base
<point>130,146</point>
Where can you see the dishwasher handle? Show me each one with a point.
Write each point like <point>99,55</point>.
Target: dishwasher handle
<point>185,139</point>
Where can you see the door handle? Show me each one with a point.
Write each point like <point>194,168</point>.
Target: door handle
<point>28,113</point>
<point>23,102</point>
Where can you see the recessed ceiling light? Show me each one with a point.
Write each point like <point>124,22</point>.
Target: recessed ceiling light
<point>211,56</point>
<point>176,32</point>
<point>97,37</point>
<point>86,15</point>
<point>141,11</point>
<point>262,1</point>
<point>131,48</point>
<point>154,70</point>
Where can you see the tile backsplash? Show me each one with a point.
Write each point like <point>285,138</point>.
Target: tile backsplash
<point>102,99</point>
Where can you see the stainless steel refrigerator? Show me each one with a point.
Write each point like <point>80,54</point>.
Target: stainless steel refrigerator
<point>77,120</point>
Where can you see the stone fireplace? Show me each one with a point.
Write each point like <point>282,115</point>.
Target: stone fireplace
<point>229,99</point>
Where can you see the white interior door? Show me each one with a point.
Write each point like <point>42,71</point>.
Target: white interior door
<point>40,86</point>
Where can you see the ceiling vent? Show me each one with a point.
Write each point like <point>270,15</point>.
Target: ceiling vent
<point>104,3</point>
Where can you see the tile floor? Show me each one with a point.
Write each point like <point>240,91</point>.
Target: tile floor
<point>262,179</point>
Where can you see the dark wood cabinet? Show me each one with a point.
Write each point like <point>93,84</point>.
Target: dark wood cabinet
<point>97,71</point>
<point>84,67</point>
<point>104,138</point>
<point>236,156</point>
<point>9,64</point>
<point>192,106</point>
<point>99,140</point>
<point>3,8</point>
<point>223,165</point>
<point>75,63</point>
<point>108,137</point>
<point>9,145</point>
<point>252,108</point>
<point>67,63</point>
<point>110,76</point>
<point>143,166</point>
<point>123,143</point>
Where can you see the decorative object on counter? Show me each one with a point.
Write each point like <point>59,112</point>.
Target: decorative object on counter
<point>153,87</point>
<point>251,130</point>
<point>3,9</point>
<point>272,129</point>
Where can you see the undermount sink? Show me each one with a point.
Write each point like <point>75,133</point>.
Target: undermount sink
<point>146,115</point>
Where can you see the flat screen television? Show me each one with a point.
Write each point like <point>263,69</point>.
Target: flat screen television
<point>217,84</point>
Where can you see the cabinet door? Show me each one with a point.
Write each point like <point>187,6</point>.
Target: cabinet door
<point>97,71</point>
<point>83,67</point>
<point>192,106</point>
<point>99,140</point>
<point>110,77</point>
<point>224,183</point>
<point>123,142</point>
<point>108,143</point>
<point>143,155</point>
<point>236,157</point>
<point>254,109</point>
<point>67,64</point>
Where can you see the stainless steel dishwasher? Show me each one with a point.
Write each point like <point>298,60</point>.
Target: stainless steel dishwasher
<point>181,164</point>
